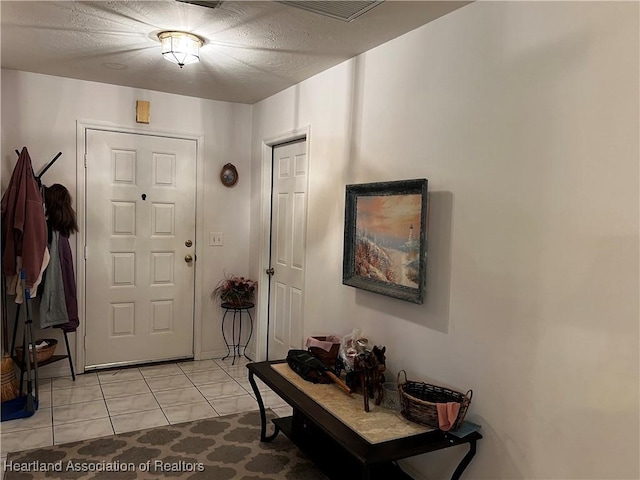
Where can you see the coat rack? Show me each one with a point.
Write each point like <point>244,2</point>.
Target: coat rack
<point>44,170</point>
<point>29,360</point>
<point>54,358</point>
<point>22,405</point>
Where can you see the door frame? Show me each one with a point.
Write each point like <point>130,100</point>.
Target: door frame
<point>262,330</point>
<point>81,145</point>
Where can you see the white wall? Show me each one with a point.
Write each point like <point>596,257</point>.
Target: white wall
<point>524,118</point>
<point>40,112</point>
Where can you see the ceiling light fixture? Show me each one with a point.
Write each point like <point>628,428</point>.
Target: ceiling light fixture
<point>180,47</point>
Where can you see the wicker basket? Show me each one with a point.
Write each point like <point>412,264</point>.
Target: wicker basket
<point>42,354</point>
<point>328,358</point>
<point>418,401</point>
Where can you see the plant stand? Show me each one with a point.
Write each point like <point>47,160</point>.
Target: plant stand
<point>236,342</point>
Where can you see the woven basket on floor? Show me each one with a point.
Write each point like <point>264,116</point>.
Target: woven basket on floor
<point>42,354</point>
<point>418,401</point>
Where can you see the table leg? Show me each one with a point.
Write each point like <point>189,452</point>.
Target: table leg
<point>244,350</point>
<point>464,463</point>
<point>224,337</point>
<point>366,472</point>
<point>66,341</point>
<point>263,415</point>
<point>237,345</point>
<point>233,337</point>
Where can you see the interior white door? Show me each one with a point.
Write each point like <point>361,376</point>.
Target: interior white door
<point>140,248</point>
<point>288,243</point>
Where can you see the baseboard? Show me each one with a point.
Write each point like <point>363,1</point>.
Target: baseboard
<point>205,356</point>
<point>217,354</point>
<point>59,369</point>
<point>212,354</point>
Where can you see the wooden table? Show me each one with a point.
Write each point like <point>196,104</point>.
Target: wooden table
<point>335,447</point>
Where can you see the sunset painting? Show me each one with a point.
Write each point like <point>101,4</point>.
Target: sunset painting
<point>387,244</point>
<point>385,238</point>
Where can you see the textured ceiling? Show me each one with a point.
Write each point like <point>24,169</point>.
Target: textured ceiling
<point>252,50</point>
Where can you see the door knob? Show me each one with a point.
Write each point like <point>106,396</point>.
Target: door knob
<point>188,258</point>
<point>270,271</point>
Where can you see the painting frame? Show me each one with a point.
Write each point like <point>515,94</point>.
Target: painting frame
<point>387,196</point>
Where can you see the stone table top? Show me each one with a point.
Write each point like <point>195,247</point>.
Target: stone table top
<point>378,425</point>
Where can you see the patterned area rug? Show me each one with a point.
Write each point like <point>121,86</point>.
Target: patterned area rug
<point>212,449</point>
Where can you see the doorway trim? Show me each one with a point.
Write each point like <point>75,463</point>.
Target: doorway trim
<point>262,330</point>
<point>81,133</point>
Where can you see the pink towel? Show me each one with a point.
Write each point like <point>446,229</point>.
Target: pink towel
<point>447,414</point>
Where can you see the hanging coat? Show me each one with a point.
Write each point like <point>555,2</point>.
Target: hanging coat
<point>24,228</point>
<point>69,281</point>
<point>53,308</point>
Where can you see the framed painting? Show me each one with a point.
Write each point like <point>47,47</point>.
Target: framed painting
<point>385,238</point>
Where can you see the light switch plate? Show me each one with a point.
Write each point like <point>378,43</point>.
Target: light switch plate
<point>216,239</point>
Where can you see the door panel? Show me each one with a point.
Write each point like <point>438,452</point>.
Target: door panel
<point>289,205</point>
<point>140,212</point>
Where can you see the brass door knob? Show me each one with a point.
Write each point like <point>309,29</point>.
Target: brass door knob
<point>188,258</point>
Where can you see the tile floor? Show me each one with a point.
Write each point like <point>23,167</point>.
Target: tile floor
<point>129,399</point>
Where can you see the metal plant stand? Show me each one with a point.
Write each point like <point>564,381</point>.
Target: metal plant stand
<point>236,345</point>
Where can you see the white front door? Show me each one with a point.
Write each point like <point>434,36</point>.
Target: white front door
<point>288,227</point>
<point>140,233</point>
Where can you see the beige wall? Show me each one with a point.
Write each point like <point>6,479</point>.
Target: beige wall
<point>40,112</point>
<point>524,118</point>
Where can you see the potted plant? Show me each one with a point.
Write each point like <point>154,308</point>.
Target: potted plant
<point>234,290</point>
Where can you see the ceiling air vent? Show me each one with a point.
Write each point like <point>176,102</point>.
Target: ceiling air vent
<point>343,10</point>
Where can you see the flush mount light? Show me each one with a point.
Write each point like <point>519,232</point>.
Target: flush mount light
<point>181,48</point>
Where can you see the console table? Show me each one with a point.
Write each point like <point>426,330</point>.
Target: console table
<point>338,450</point>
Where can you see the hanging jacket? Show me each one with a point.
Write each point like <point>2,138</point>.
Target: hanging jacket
<point>69,282</point>
<point>53,308</point>
<point>24,229</point>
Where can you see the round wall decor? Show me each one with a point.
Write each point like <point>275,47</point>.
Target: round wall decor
<point>229,175</point>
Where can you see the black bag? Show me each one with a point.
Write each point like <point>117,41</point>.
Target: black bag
<point>307,366</point>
